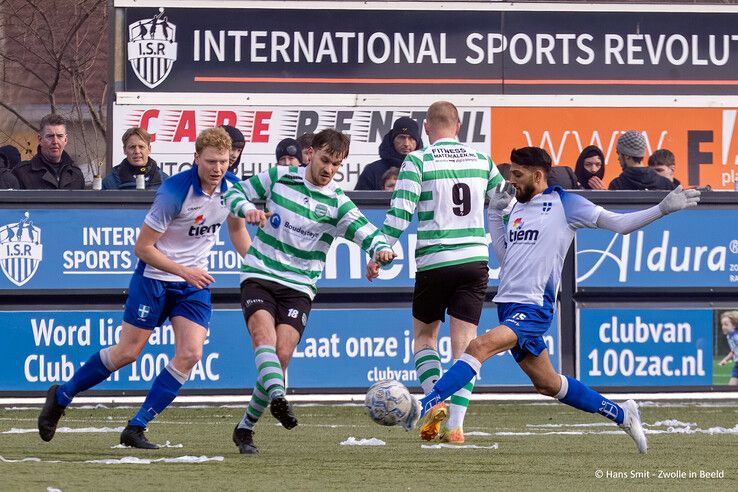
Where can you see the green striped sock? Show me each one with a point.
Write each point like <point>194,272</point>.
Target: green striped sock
<point>459,404</point>
<point>270,370</point>
<point>257,404</point>
<point>428,368</point>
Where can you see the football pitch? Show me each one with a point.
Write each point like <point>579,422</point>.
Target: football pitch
<point>509,445</point>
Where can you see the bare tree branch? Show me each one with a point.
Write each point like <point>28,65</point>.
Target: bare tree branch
<point>19,116</point>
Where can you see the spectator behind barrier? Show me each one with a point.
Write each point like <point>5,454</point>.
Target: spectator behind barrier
<point>636,175</point>
<point>237,145</point>
<point>404,138</point>
<point>563,176</point>
<point>389,178</point>
<point>51,168</point>
<point>288,153</point>
<point>7,180</point>
<point>137,148</point>
<point>729,326</point>
<point>662,161</point>
<point>590,168</point>
<point>9,157</point>
<point>306,144</point>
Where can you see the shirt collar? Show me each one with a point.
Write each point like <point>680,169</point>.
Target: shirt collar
<point>445,140</point>
<point>552,188</point>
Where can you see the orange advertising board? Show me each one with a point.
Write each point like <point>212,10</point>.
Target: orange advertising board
<point>704,140</point>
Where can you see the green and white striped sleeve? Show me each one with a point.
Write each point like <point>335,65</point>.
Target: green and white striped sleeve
<point>495,177</point>
<point>405,198</point>
<point>239,198</point>
<point>355,227</point>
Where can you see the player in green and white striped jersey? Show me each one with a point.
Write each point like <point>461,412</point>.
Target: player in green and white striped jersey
<point>307,211</point>
<point>447,183</point>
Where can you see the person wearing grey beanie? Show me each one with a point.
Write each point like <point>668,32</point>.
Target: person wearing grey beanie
<point>636,175</point>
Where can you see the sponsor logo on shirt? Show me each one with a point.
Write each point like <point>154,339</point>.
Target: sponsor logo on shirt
<point>275,220</point>
<point>518,233</point>
<point>299,230</point>
<point>321,210</point>
<point>199,228</point>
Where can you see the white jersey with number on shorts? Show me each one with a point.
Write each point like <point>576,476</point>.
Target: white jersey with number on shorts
<point>447,182</point>
<point>189,221</point>
<point>537,237</point>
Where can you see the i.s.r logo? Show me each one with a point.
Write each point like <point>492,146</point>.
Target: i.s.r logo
<point>21,250</point>
<point>152,49</point>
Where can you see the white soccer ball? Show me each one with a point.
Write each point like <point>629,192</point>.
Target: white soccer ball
<point>388,402</point>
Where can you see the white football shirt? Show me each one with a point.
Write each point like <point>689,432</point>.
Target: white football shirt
<point>189,221</point>
<point>537,237</point>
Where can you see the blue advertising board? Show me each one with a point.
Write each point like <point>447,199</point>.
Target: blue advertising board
<point>341,348</point>
<point>93,249</point>
<point>693,248</point>
<point>645,347</point>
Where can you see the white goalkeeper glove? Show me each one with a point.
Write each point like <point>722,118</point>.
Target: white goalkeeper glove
<point>501,196</point>
<point>679,199</point>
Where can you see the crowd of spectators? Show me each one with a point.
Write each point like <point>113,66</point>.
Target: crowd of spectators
<point>53,168</point>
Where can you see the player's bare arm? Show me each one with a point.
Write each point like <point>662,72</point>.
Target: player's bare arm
<point>239,235</point>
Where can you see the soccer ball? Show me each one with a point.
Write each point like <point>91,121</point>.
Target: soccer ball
<point>388,402</point>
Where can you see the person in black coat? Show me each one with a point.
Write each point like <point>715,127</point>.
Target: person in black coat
<point>590,168</point>
<point>137,148</point>
<point>563,176</point>
<point>404,138</point>
<point>636,174</point>
<point>663,162</point>
<point>9,157</point>
<point>237,144</point>
<point>8,161</point>
<point>51,168</point>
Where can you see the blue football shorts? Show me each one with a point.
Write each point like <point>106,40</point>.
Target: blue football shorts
<point>530,323</point>
<point>734,374</point>
<point>152,301</point>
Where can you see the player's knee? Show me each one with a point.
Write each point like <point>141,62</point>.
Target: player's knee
<point>546,388</point>
<point>284,358</point>
<point>124,356</point>
<point>476,349</point>
<point>186,359</point>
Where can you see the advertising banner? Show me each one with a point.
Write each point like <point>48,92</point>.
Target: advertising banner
<point>174,130</point>
<point>456,50</point>
<point>694,248</point>
<point>341,348</point>
<point>704,140</point>
<point>646,347</point>
<point>93,249</point>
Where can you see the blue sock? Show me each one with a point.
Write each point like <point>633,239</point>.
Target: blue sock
<point>162,393</point>
<point>87,376</point>
<point>581,396</point>
<point>452,381</point>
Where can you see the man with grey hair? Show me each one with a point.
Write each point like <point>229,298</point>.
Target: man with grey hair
<point>636,174</point>
<point>51,168</point>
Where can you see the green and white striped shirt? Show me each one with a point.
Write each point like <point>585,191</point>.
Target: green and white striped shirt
<point>291,248</point>
<point>447,182</point>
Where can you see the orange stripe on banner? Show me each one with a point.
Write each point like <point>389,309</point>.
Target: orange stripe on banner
<point>318,80</point>
<point>327,80</point>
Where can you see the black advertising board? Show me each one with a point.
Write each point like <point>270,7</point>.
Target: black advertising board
<point>430,51</point>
